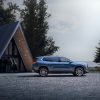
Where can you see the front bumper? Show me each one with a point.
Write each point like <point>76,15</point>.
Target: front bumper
<point>86,70</point>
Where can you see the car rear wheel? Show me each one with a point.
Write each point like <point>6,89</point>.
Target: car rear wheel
<point>43,72</point>
<point>79,71</point>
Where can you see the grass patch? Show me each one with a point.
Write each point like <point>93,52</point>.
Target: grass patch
<point>94,69</point>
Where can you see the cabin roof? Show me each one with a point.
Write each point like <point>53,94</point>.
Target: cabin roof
<point>7,31</point>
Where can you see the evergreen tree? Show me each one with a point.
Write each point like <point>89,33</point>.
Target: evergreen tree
<point>97,56</point>
<point>7,15</point>
<point>36,28</point>
<point>1,12</point>
<point>29,23</point>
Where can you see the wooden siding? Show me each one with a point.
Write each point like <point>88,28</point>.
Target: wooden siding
<point>23,49</point>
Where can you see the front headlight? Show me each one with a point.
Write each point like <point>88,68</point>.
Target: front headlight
<point>86,66</point>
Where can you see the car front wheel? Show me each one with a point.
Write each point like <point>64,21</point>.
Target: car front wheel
<point>43,72</point>
<point>79,71</point>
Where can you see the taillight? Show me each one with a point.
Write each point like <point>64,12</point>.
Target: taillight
<point>34,62</point>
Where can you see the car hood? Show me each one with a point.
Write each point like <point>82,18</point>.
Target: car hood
<point>80,63</point>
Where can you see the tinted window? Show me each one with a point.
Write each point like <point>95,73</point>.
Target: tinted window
<point>51,59</point>
<point>63,59</point>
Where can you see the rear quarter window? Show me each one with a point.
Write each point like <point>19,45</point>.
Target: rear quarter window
<point>37,59</point>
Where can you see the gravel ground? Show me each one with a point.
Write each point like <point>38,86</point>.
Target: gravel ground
<point>29,86</point>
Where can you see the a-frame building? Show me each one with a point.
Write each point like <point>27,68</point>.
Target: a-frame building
<point>13,46</point>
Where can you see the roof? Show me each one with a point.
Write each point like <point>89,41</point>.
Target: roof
<point>6,33</point>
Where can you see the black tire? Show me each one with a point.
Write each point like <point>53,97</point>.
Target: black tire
<point>43,72</point>
<point>79,71</point>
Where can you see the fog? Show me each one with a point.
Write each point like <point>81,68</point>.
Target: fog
<point>75,27</point>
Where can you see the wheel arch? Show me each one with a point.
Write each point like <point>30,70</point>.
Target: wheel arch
<point>43,67</point>
<point>79,66</point>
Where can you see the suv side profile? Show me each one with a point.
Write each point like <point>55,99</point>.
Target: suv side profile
<point>50,64</point>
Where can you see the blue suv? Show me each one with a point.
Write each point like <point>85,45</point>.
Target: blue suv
<point>51,64</point>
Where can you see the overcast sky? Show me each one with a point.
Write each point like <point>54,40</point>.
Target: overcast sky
<point>75,27</point>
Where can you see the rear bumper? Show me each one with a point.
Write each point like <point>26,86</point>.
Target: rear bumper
<point>34,69</point>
